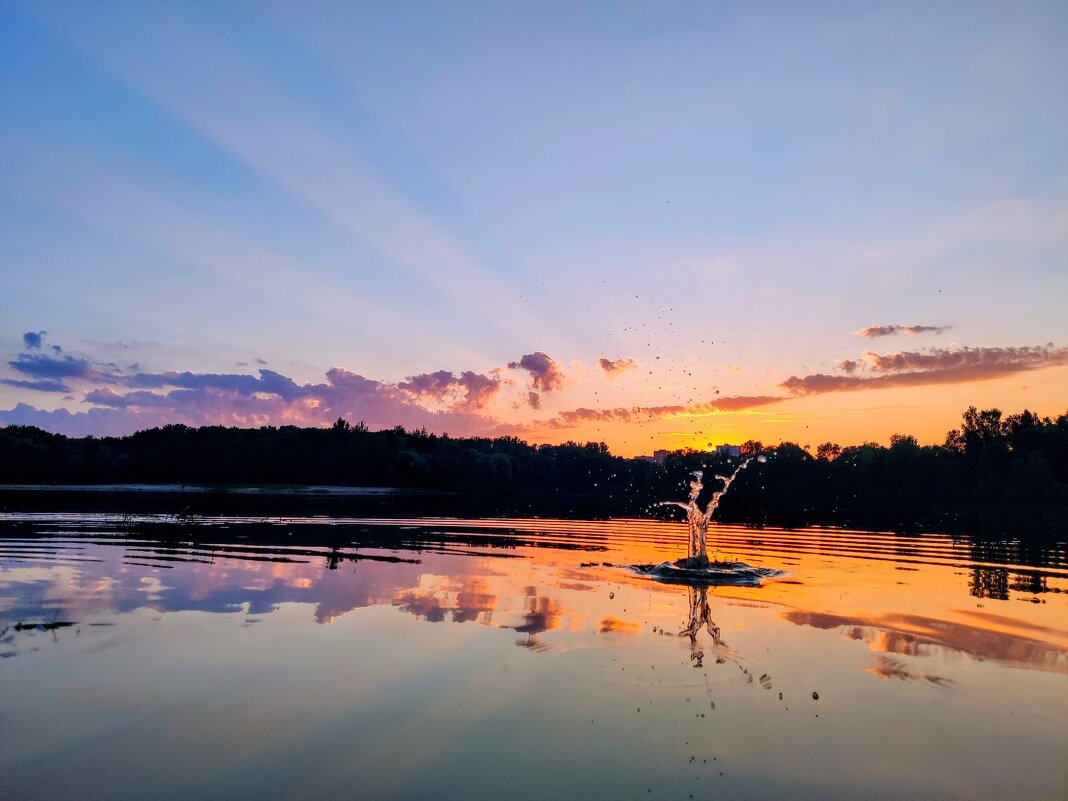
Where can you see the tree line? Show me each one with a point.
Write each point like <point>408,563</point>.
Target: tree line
<point>1020,458</point>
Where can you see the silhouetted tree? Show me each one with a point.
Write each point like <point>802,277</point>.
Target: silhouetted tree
<point>1021,458</point>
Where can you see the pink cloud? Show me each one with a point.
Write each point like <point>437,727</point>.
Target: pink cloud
<point>469,391</point>
<point>207,399</point>
<point>545,372</point>
<point>616,367</point>
<point>935,366</point>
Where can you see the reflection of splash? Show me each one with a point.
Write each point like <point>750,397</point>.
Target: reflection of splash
<point>700,615</point>
<point>914,635</point>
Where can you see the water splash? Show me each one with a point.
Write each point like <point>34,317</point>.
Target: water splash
<point>697,568</point>
<point>698,519</point>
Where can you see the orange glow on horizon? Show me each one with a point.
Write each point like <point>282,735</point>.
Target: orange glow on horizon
<point>848,418</point>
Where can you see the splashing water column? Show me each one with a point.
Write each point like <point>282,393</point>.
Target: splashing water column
<point>697,552</point>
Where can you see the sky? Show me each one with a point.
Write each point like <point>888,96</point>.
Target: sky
<point>654,224</point>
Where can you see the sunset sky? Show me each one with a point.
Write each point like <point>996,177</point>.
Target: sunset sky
<point>657,225</point>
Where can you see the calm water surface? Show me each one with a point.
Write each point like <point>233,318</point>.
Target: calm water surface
<point>443,658</point>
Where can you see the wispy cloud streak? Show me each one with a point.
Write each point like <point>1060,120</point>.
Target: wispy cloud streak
<point>890,330</point>
<point>643,414</point>
<point>197,83</point>
<point>935,366</point>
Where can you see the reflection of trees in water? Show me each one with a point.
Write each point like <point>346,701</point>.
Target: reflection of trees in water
<point>1033,583</point>
<point>990,582</point>
<point>995,582</point>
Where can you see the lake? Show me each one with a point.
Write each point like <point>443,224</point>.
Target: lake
<point>149,657</point>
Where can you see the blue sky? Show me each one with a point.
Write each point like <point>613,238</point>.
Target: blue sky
<point>720,192</point>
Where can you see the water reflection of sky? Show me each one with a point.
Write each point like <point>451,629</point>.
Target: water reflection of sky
<point>876,631</point>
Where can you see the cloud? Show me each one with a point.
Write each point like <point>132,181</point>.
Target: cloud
<point>42,385</point>
<point>545,372</point>
<point>124,401</point>
<point>576,417</point>
<point>120,401</point>
<point>469,390</point>
<point>116,400</point>
<point>268,382</point>
<point>891,330</point>
<point>934,366</point>
<point>40,365</point>
<point>33,339</point>
<point>848,366</point>
<point>143,400</point>
<point>617,367</point>
<point>1006,359</point>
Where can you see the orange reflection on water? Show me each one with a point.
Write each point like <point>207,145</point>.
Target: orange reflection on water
<point>904,597</point>
<point>871,645</point>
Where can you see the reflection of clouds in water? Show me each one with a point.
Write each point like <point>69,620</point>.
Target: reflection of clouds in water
<point>542,614</point>
<point>614,625</point>
<point>468,598</point>
<point>573,585</point>
<point>464,599</point>
<point>886,667</point>
<point>429,588</point>
<point>152,587</point>
<point>914,635</point>
<point>109,585</point>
